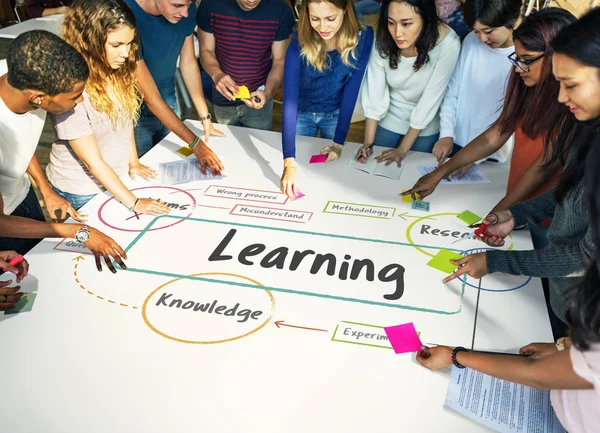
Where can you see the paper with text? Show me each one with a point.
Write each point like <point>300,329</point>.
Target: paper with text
<point>182,171</point>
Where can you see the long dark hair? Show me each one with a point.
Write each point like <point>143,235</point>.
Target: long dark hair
<point>386,45</point>
<point>536,109</point>
<point>581,42</point>
<point>583,313</point>
<point>497,13</point>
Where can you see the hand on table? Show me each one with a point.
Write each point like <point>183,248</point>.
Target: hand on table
<point>151,206</point>
<point>475,266</point>
<point>226,86</point>
<point>55,203</point>
<point>288,178</point>
<point>499,225</point>
<point>461,171</point>
<point>103,246</point>
<point>208,159</point>
<point>392,155</point>
<point>333,152</point>
<point>139,169</point>
<point>20,270</point>
<point>424,186</point>
<point>363,153</point>
<point>209,129</point>
<point>9,296</point>
<point>435,358</point>
<point>442,149</point>
<point>538,350</point>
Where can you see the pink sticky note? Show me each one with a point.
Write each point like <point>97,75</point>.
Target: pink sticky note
<point>404,338</point>
<point>299,195</point>
<point>316,159</point>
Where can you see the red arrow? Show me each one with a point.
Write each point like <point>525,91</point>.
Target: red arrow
<point>280,323</point>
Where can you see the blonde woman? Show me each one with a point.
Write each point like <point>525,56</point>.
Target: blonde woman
<point>324,67</point>
<point>96,144</point>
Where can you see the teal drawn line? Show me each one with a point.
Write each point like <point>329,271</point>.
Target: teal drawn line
<point>294,292</point>
<point>279,289</point>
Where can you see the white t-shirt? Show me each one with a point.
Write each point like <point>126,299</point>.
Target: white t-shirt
<point>476,93</point>
<point>402,98</point>
<point>19,137</point>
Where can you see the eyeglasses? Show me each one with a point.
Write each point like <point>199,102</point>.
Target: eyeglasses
<point>523,64</point>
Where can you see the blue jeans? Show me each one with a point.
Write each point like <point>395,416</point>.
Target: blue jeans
<point>149,129</point>
<point>387,138</point>
<point>366,7</point>
<point>28,208</point>
<point>242,115</point>
<point>309,124</point>
<point>76,200</point>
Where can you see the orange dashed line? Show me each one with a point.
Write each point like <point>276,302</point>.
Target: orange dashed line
<point>77,279</point>
<point>76,264</point>
<point>99,297</point>
<point>111,301</point>
<point>124,305</point>
<point>82,288</point>
<point>135,308</point>
<point>90,292</point>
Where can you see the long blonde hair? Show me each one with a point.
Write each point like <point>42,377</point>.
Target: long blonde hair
<point>312,45</point>
<point>86,28</point>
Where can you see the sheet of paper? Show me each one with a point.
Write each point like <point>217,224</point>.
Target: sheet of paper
<point>441,261</point>
<point>24,305</point>
<point>420,205</point>
<point>391,171</point>
<point>468,217</point>
<point>406,198</point>
<point>368,166</point>
<point>404,338</point>
<point>500,405</point>
<point>187,170</point>
<point>473,176</point>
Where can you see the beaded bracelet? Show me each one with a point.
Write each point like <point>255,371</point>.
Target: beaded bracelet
<point>454,352</point>
<point>193,143</point>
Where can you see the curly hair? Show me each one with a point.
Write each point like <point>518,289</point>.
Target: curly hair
<point>86,27</point>
<point>312,44</point>
<point>40,60</point>
<point>386,45</point>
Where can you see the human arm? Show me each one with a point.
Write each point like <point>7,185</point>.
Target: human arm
<point>136,168</point>
<point>551,372</point>
<point>399,153</point>
<point>535,176</point>
<point>88,152</point>
<point>165,114</point>
<point>37,8</point>
<point>20,269</point>
<point>208,57</point>
<point>53,202</point>
<point>101,245</point>
<point>188,65</point>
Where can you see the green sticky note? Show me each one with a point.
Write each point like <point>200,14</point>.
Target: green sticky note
<point>468,217</point>
<point>441,261</point>
<point>24,305</point>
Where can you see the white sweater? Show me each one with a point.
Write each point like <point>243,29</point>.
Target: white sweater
<point>476,93</point>
<point>402,98</point>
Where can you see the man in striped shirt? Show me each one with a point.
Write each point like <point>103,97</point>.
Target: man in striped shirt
<point>243,42</point>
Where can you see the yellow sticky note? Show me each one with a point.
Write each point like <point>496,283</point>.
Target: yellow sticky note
<point>243,93</point>
<point>185,151</point>
<point>408,198</point>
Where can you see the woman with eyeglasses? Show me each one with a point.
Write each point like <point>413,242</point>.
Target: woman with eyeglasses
<point>570,368</point>
<point>531,111</point>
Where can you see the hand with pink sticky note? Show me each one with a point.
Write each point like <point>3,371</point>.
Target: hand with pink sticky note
<point>299,195</point>
<point>404,338</point>
<point>318,159</point>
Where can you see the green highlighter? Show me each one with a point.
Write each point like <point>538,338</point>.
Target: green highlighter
<point>24,305</point>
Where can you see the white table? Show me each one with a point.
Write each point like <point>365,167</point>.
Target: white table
<point>102,352</point>
<point>50,23</point>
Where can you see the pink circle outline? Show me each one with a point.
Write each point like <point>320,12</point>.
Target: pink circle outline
<point>157,228</point>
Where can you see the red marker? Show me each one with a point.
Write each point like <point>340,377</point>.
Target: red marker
<point>15,261</point>
<point>480,231</point>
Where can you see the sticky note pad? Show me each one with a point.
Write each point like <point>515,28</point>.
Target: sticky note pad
<point>243,93</point>
<point>24,305</point>
<point>317,159</point>
<point>420,205</point>
<point>406,198</point>
<point>298,196</point>
<point>468,217</point>
<point>185,151</point>
<point>404,338</point>
<point>441,261</point>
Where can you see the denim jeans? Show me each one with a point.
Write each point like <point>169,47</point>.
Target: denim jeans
<point>149,129</point>
<point>366,7</point>
<point>309,124</point>
<point>242,115</point>
<point>387,138</point>
<point>76,200</point>
<point>29,208</point>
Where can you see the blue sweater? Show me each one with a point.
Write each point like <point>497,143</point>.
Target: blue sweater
<point>337,87</point>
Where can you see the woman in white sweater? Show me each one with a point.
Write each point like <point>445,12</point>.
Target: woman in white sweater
<point>476,90</point>
<point>412,60</point>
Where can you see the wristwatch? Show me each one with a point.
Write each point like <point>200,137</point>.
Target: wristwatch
<point>83,234</point>
<point>203,118</point>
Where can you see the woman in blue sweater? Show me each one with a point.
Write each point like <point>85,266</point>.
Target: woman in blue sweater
<point>324,67</point>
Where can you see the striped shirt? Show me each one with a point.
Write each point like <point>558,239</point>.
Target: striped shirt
<point>244,38</point>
